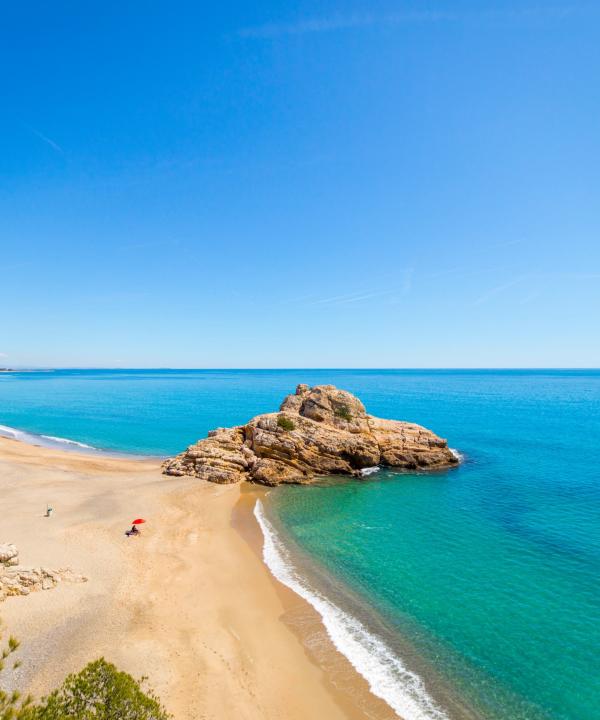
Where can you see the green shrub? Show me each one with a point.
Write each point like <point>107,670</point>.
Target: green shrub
<point>13,708</point>
<point>285,423</point>
<point>343,412</point>
<point>100,692</point>
<point>11,705</point>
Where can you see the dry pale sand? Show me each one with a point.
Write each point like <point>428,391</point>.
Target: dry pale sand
<point>188,604</point>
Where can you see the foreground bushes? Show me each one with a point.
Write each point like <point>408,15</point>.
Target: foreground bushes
<point>11,705</point>
<point>98,692</point>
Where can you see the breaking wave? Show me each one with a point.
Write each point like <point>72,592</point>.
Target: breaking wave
<point>458,455</point>
<point>49,441</point>
<point>388,678</point>
<point>370,470</point>
<point>65,441</point>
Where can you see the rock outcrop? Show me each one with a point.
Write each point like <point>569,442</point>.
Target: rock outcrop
<point>9,555</point>
<point>22,581</point>
<point>317,431</point>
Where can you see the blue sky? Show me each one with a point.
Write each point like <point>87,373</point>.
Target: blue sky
<point>307,184</point>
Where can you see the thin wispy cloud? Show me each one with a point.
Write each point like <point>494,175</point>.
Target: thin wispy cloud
<point>498,289</point>
<point>407,281</point>
<point>540,278</point>
<point>339,22</point>
<point>365,296</point>
<point>147,244</point>
<point>534,12</point>
<point>54,145</point>
<point>118,298</point>
<point>504,244</point>
<point>366,20</point>
<point>3,355</point>
<point>533,295</point>
<point>402,287</point>
<point>348,297</point>
<point>574,275</point>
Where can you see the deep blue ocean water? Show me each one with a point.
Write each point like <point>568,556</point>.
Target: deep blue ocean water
<point>491,571</point>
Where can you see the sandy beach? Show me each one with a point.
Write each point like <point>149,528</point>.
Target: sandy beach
<point>189,603</point>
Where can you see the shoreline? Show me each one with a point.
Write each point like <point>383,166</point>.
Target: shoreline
<point>51,442</point>
<point>166,605</point>
<point>387,678</point>
<point>349,674</point>
<point>408,683</point>
<point>348,686</point>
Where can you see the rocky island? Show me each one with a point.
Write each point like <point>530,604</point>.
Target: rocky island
<point>318,431</point>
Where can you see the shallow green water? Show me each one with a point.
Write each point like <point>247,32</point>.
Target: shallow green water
<point>491,570</point>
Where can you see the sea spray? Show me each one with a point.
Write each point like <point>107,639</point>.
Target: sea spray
<point>458,455</point>
<point>385,673</point>
<point>365,472</point>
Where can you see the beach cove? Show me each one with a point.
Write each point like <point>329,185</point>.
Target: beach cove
<point>189,603</point>
<point>481,581</point>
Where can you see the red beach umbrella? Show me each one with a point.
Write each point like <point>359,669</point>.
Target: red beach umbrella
<point>139,521</point>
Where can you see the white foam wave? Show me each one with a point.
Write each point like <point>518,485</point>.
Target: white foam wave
<point>65,441</point>
<point>44,440</point>
<point>6,431</point>
<point>458,455</point>
<point>370,470</point>
<point>388,679</point>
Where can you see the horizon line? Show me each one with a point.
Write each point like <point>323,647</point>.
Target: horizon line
<point>49,368</point>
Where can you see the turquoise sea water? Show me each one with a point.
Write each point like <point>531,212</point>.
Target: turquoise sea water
<point>490,572</point>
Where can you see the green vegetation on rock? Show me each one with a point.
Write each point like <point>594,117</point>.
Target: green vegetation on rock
<point>285,423</point>
<point>343,412</point>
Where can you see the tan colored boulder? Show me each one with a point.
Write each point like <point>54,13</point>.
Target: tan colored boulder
<point>9,555</point>
<point>219,458</point>
<point>408,445</point>
<point>22,581</point>
<point>276,472</point>
<point>318,431</point>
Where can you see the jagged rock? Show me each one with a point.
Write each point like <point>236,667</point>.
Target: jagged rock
<point>23,582</point>
<point>318,431</point>
<point>221,458</point>
<point>9,555</point>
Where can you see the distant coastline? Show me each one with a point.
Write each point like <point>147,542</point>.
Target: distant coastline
<point>22,370</point>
